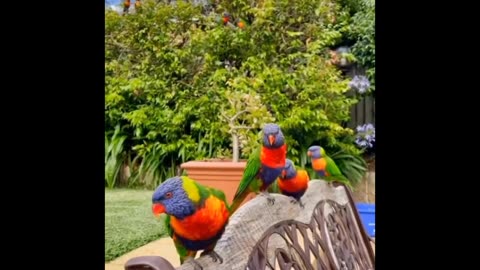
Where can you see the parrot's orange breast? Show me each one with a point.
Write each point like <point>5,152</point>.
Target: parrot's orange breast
<point>205,223</point>
<point>297,183</point>
<point>319,164</point>
<point>274,158</point>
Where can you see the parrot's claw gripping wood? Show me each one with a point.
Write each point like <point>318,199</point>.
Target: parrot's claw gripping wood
<point>301,204</point>
<point>196,265</point>
<point>294,201</point>
<point>270,199</point>
<point>214,255</point>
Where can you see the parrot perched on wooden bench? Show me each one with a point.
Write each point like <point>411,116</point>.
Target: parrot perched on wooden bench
<point>263,166</point>
<point>293,182</point>
<point>325,167</point>
<point>196,216</point>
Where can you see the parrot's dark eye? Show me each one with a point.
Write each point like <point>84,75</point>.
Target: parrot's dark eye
<point>169,195</point>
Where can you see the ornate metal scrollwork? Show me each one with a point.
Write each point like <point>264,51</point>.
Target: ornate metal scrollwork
<point>334,239</point>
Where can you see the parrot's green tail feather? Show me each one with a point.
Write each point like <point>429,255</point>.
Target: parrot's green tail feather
<point>168,227</point>
<point>340,179</point>
<point>345,181</point>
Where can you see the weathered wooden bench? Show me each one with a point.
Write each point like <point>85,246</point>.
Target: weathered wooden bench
<point>327,234</point>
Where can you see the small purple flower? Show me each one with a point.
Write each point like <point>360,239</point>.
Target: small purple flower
<point>365,136</point>
<point>361,128</point>
<point>360,83</point>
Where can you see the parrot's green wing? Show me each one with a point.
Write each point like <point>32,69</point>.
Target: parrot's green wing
<point>335,173</point>
<point>182,251</point>
<point>332,167</point>
<point>218,193</point>
<point>168,227</point>
<point>250,173</point>
<point>249,181</point>
<point>206,191</point>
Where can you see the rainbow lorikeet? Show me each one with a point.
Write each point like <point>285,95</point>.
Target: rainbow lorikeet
<point>293,182</point>
<point>240,23</point>
<point>227,18</point>
<point>126,6</point>
<point>196,216</point>
<point>263,166</point>
<point>325,167</point>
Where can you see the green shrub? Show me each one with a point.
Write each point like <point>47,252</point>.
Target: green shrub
<point>362,31</point>
<point>114,156</point>
<point>171,72</point>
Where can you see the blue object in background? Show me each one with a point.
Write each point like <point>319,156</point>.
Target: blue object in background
<point>367,214</point>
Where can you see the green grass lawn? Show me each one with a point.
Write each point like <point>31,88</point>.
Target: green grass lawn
<point>129,222</point>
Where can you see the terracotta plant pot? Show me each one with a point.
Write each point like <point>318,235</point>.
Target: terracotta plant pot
<point>220,174</point>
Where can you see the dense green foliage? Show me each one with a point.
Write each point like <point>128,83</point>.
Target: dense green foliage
<point>362,33</point>
<point>175,75</point>
<point>113,156</point>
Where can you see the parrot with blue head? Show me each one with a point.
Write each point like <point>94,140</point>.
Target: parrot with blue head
<point>126,6</point>
<point>196,216</point>
<point>263,167</point>
<point>293,182</point>
<point>138,4</point>
<point>325,167</point>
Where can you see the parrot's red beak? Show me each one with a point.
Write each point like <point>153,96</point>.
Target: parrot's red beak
<point>309,153</point>
<point>271,139</point>
<point>158,209</point>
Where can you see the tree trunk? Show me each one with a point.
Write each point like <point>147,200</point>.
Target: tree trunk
<point>235,148</point>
